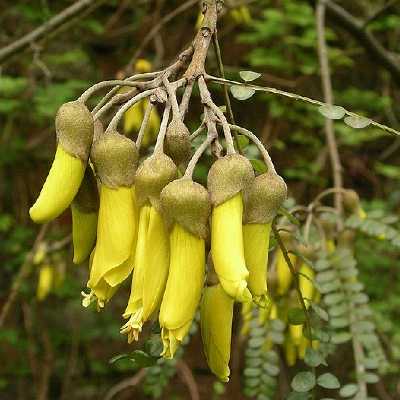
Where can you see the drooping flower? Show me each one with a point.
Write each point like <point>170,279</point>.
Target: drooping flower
<point>152,250</point>
<point>84,209</point>
<point>114,158</point>
<point>186,206</point>
<point>283,274</point>
<point>227,178</point>
<point>74,128</point>
<point>45,282</point>
<point>216,314</point>
<point>263,197</point>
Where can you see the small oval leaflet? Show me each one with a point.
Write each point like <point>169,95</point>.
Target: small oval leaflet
<point>303,382</point>
<point>242,92</point>
<point>328,381</point>
<point>349,390</point>
<point>332,112</point>
<point>249,76</point>
<point>357,122</point>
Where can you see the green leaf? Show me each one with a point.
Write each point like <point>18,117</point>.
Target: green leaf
<point>332,112</point>
<point>357,122</point>
<point>249,76</point>
<point>320,312</point>
<point>303,382</point>
<point>328,381</point>
<point>138,357</point>
<point>296,316</point>
<point>298,396</point>
<point>369,377</point>
<point>243,141</point>
<point>292,219</point>
<point>242,92</point>
<point>313,358</point>
<point>349,390</point>
<point>259,166</point>
<point>341,337</point>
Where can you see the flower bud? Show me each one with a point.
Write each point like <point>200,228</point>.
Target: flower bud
<point>114,157</point>
<point>263,197</point>
<point>45,282</point>
<point>177,141</point>
<point>84,209</point>
<point>187,206</point>
<point>352,203</point>
<point>152,176</point>
<point>216,314</point>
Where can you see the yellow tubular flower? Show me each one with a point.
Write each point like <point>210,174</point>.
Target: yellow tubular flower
<point>306,275</point>
<point>74,127</point>
<point>256,244</point>
<point>186,206</point>
<point>61,185</point>
<point>134,310</point>
<point>227,179</point>
<point>84,210</point>
<point>45,283</point>
<point>296,333</point>
<point>247,310</point>
<point>284,275</point>
<point>180,299</point>
<point>290,353</point>
<point>114,158</point>
<point>216,314</point>
<point>227,248</point>
<point>263,197</point>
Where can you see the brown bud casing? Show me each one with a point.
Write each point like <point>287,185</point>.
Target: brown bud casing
<point>187,203</point>
<point>115,158</point>
<point>263,197</point>
<point>177,141</point>
<point>152,176</point>
<point>98,130</point>
<point>228,176</point>
<point>74,129</point>
<point>351,200</point>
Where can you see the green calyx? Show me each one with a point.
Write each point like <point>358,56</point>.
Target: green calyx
<point>87,198</point>
<point>177,141</point>
<point>115,158</point>
<point>74,129</point>
<point>228,176</point>
<point>187,203</point>
<point>152,176</point>
<point>263,197</point>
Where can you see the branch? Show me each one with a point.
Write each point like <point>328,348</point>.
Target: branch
<point>47,28</point>
<point>328,98</point>
<point>367,39</point>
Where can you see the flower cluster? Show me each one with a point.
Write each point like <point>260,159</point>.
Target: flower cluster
<point>184,246</point>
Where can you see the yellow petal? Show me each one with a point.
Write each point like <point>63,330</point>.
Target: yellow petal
<point>84,228</point>
<point>330,246</point>
<point>216,314</point>
<point>256,246</point>
<point>304,343</point>
<point>116,231</point>
<point>183,289</point>
<point>296,333</point>
<point>283,272</point>
<point>227,248</point>
<point>306,275</point>
<point>134,309</point>
<point>61,185</point>
<point>157,264</point>
<point>45,283</point>
<point>133,118</point>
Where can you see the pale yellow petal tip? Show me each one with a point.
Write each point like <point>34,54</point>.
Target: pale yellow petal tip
<point>134,326</point>
<point>361,213</point>
<point>263,301</point>
<point>89,298</point>
<point>243,294</point>
<point>170,344</point>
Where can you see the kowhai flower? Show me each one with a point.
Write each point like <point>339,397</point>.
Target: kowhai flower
<point>227,179</point>
<point>74,129</point>
<point>186,206</point>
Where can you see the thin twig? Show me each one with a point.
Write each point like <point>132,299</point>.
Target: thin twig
<point>23,273</point>
<point>188,378</point>
<point>295,97</point>
<point>184,106</point>
<point>182,8</point>
<point>125,384</point>
<point>260,146</point>
<point>144,124</point>
<point>159,147</point>
<point>19,45</point>
<point>378,13</point>
<point>328,98</point>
